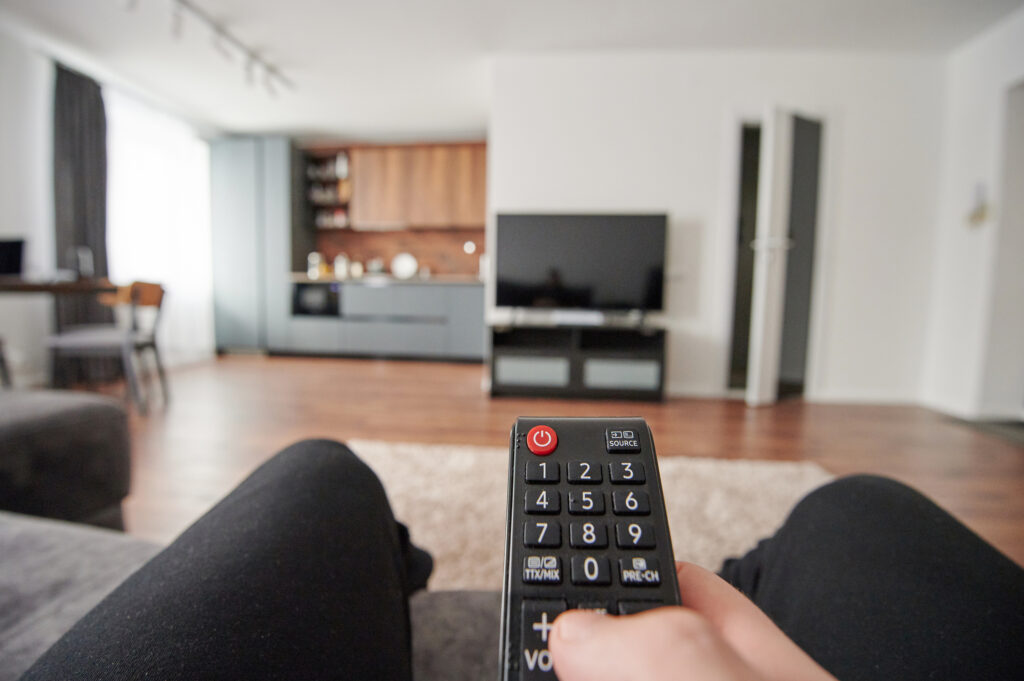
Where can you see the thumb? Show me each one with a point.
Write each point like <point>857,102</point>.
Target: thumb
<point>652,646</point>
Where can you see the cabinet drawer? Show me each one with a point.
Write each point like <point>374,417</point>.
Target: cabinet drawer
<point>393,301</point>
<point>314,335</point>
<point>413,339</point>
<point>548,372</point>
<point>628,374</point>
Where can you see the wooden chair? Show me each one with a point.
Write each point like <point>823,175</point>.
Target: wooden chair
<point>5,374</point>
<point>129,343</point>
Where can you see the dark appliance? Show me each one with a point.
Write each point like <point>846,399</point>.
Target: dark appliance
<point>11,256</point>
<point>592,262</point>
<point>316,300</point>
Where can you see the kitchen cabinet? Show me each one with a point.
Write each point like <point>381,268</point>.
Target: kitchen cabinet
<point>420,186</point>
<point>380,187</point>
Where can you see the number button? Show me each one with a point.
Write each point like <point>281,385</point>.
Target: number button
<point>626,472</point>
<point>542,500</point>
<point>541,471</point>
<point>586,502</point>
<point>633,502</point>
<point>588,535</point>
<point>634,535</point>
<point>581,472</point>
<point>590,570</point>
<point>543,533</point>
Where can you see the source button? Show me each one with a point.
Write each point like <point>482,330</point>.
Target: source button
<point>622,440</point>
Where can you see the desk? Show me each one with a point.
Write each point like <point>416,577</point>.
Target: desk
<point>56,287</point>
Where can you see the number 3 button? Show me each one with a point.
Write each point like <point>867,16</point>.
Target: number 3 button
<point>626,472</point>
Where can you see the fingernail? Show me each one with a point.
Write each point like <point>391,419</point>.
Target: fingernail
<point>575,626</point>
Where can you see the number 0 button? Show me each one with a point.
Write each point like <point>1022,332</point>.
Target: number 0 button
<point>590,570</point>
<point>633,502</point>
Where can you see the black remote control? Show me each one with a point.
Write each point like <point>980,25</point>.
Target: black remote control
<point>586,528</point>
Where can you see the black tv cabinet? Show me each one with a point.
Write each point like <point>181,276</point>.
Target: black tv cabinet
<point>578,361</point>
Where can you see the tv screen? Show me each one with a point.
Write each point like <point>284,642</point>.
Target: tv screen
<point>595,262</point>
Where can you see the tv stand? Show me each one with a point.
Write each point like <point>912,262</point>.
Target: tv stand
<point>578,361</point>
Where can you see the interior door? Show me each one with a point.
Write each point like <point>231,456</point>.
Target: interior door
<point>770,249</point>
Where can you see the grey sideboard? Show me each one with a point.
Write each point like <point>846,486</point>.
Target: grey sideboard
<point>415,320</point>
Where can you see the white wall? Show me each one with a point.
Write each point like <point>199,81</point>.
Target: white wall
<point>964,284</point>
<point>660,132</point>
<point>26,199</point>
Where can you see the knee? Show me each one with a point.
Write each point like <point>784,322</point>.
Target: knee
<point>862,499</point>
<point>322,464</point>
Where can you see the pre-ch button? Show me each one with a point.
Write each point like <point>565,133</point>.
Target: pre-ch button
<point>541,440</point>
<point>622,440</point>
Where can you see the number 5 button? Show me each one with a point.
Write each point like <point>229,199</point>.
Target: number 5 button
<point>586,502</point>
<point>633,502</point>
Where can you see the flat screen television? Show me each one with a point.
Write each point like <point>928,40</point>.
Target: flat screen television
<point>590,262</point>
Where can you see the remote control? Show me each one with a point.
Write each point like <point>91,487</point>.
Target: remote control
<point>586,528</point>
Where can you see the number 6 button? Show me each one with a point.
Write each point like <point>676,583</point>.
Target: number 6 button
<point>628,503</point>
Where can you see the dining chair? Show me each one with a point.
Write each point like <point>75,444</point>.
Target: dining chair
<point>5,373</point>
<point>129,342</point>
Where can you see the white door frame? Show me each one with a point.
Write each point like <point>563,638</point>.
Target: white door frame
<point>729,210</point>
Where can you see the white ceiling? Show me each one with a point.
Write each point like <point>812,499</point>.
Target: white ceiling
<point>371,69</point>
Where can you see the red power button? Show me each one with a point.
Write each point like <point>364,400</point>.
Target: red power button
<point>541,440</point>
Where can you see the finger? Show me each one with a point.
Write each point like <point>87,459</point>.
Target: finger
<point>651,646</point>
<point>744,626</point>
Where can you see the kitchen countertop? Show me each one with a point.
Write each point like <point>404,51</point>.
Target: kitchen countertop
<point>388,280</point>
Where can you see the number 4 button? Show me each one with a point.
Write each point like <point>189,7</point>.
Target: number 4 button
<point>542,500</point>
<point>626,472</point>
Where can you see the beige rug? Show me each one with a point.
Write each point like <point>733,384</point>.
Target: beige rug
<point>453,500</point>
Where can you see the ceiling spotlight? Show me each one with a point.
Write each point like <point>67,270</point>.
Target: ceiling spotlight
<point>177,21</point>
<point>220,43</point>
<point>268,82</point>
<point>250,68</point>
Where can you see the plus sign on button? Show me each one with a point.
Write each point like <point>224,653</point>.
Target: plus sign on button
<point>541,440</point>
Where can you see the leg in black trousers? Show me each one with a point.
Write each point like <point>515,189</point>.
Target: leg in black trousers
<point>300,573</point>
<point>875,581</point>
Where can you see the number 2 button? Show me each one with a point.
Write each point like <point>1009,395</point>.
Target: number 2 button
<point>583,472</point>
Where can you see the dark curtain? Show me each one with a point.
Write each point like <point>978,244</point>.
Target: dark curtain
<point>80,201</point>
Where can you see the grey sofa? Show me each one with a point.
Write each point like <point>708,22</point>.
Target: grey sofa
<point>52,573</point>
<point>64,455</point>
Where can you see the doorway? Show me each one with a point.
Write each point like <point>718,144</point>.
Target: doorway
<point>799,212</point>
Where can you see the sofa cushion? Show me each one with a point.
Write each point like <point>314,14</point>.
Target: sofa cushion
<point>52,573</point>
<point>63,454</point>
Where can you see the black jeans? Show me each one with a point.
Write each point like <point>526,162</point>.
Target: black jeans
<point>303,573</point>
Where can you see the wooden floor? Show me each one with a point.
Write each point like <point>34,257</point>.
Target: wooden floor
<point>228,416</point>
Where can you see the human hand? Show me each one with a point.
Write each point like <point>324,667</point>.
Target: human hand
<point>719,636</point>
